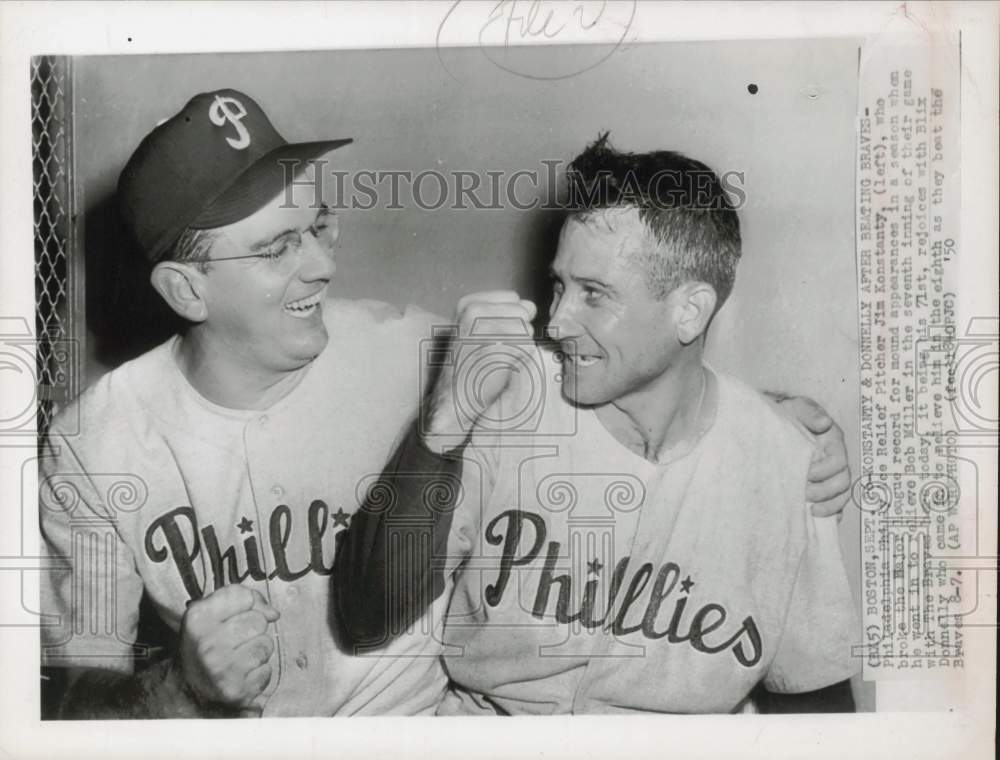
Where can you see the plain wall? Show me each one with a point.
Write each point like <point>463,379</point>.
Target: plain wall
<point>791,323</point>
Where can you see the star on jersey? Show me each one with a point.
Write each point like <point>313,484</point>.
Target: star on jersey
<point>340,517</point>
<point>594,566</point>
<point>686,585</point>
<point>245,525</point>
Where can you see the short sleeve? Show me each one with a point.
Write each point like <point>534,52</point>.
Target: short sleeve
<point>821,625</point>
<point>90,589</point>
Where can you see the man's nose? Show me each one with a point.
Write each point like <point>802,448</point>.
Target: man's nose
<point>562,321</point>
<point>318,261</point>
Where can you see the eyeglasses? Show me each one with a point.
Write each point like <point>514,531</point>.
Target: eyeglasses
<point>283,251</point>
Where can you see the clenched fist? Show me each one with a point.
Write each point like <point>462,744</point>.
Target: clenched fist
<point>225,648</point>
<point>482,365</point>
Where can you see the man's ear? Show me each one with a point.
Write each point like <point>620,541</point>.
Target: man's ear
<point>695,307</point>
<point>183,287</point>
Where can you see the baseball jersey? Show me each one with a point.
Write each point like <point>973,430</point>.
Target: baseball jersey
<point>598,581</point>
<point>166,493</point>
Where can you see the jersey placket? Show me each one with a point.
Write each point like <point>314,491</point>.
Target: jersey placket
<point>652,529</point>
<point>255,445</point>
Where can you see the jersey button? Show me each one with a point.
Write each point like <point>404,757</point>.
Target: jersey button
<point>292,592</point>
<point>262,420</point>
<point>277,490</point>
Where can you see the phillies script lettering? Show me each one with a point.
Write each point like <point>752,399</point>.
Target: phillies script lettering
<point>702,629</point>
<point>175,536</point>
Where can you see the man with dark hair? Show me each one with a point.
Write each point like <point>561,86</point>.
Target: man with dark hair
<point>645,544</point>
<point>679,199</point>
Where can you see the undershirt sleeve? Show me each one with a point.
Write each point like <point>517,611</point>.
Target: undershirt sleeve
<point>392,562</point>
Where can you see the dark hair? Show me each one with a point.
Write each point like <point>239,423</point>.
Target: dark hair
<point>680,200</point>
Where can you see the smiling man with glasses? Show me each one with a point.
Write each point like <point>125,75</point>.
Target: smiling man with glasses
<point>246,435</point>
<point>266,305</point>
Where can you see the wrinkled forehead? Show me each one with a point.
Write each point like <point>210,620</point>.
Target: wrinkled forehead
<point>617,230</point>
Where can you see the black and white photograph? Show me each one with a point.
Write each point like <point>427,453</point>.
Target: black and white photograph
<point>545,366</point>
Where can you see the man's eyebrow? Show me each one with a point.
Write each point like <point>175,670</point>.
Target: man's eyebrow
<point>583,280</point>
<point>324,210</point>
<point>261,245</point>
<point>594,281</point>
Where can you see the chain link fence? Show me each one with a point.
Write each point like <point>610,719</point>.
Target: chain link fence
<point>58,273</point>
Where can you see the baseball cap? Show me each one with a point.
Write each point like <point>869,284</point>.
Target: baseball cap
<point>215,162</point>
